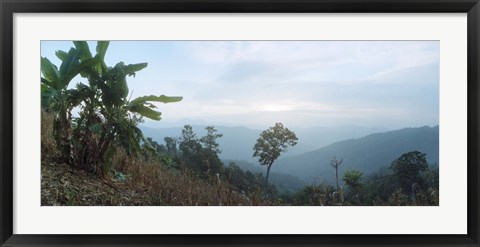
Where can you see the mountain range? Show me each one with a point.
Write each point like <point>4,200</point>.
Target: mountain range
<point>366,154</point>
<point>237,142</point>
<point>359,148</point>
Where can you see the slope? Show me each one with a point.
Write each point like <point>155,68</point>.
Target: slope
<point>366,154</point>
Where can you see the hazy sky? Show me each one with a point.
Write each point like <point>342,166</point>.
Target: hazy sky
<point>390,84</point>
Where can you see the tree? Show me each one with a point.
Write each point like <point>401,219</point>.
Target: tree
<point>106,116</point>
<point>210,140</point>
<point>196,156</point>
<point>171,145</point>
<point>271,144</point>
<point>408,168</point>
<point>55,95</point>
<point>189,144</point>
<point>335,164</point>
<point>352,181</point>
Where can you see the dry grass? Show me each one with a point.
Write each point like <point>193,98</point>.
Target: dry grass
<point>167,186</point>
<point>147,183</point>
<point>48,146</point>
<point>62,185</point>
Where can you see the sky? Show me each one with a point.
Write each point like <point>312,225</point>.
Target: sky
<point>389,84</point>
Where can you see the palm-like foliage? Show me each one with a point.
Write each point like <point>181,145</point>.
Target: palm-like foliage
<point>106,117</point>
<point>55,93</point>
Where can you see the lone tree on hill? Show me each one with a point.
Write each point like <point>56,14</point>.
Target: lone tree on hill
<point>271,144</point>
<point>335,164</point>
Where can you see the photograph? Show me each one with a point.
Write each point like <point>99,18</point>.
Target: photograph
<point>240,122</point>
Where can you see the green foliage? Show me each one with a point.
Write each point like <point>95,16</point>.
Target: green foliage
<point>106,118</point>
<point>285,183</point>
<point>153,98</point>
<point>189,144</point>
<point>431,176</point>
<point>315,195</point>
<point>352,179</point>
<point>199,158</point>
<point>51,75</point>
<point>200,155</point>
<point>409,167</point>
<point>49,97</point>
<point>245,181</point>
<point>392,187</point>
<point>210,140</point>
<point>171,145</point>
<point>57,98</point>
<point>379,186</point>
<point>271,144</point>
<point>354,184</point>
<point>156,146</point>
<point>168,161</point>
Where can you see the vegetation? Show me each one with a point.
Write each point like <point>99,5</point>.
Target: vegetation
<point>94,153</point>
<point>106,117</point>
<point>366,154</point>
<point>354,184</point>
<point>335,164</point>
<point>271,144</point>
<point>408,168</point>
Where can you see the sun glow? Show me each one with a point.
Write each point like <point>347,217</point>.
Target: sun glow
<point>276,108</point>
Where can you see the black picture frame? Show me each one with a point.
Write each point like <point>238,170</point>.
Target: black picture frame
<point>10,7</point>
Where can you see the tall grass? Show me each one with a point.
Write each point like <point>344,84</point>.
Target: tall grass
<point>180,187</point>
<point>48,146</point>
<point>148,181</point>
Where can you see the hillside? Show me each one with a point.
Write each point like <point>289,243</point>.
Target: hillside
<point>367,154</point>
<point>131,181</point>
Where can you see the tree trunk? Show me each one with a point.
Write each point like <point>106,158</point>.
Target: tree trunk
<point>336,175</point>
<point>266,181</point>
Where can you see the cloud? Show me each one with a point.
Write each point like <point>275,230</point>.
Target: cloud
<point>302,82</point>
<point>318,83</point>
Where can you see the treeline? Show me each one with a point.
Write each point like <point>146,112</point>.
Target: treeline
<point>408,181</point>
<point>201,156</point>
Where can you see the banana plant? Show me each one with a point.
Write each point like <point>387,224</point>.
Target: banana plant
<point>107,119</point>
<point>122,116</point>
<point>55,95</point>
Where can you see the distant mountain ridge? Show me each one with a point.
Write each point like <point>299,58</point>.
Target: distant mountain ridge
<point>366,154</point>
<point>237,142</point>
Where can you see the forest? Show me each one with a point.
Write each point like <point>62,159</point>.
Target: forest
<point>95,153</point>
